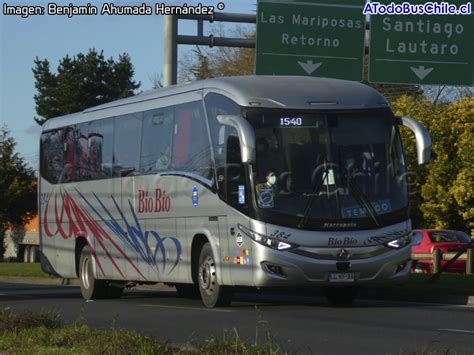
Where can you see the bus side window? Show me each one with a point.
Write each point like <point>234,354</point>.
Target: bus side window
<point>52,155</point>
<point>234,170</point>
<point>181,144</point>
<point>101,140</point>
<point>229,170</point>
<point>156,142</point>
<point>82,152</point>
<point>191,147</point>
<point>127,138</point>
<point>69,167</point>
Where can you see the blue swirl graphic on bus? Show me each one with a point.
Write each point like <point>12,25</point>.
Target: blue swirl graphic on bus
<point>134,236</point>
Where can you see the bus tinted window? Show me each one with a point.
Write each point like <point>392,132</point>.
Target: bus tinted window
<point>52,155</point>
<point>156,141</point>
<point>101,140</point>
<point>128,130</point>
<point>226,146</point>
<point>68,173</point>
<point>219,105</point>
<point>191,148</point>
<point>82,156</point>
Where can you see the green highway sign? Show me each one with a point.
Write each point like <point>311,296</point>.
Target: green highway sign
<point>311,38</point>
<point>422,49</point>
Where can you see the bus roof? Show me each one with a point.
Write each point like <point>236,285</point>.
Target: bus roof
<point>284,92</point>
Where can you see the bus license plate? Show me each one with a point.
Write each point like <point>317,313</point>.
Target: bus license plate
<point>342,277</point>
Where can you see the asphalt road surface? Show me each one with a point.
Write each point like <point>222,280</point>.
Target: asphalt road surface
<point>300,325</point>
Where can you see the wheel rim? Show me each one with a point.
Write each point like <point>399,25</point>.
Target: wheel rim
<point>85,272</point>
<point>207,275</point>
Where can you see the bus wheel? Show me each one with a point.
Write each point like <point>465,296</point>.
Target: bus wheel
<point>90,287</point>
<point>212,294</point>
<point>187,291</point>
<point>26,254</point>
<point>341,296</point>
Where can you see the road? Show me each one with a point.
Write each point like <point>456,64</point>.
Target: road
<point>300,325</point>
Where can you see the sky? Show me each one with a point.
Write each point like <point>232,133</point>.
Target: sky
<point>52,37</point>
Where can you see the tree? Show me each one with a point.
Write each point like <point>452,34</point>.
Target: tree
<point>219,61</point>
<point>156,81</point>
<point>202,70</point>
<point>17,187</point>
<point>444,195</point>
<point>82,81</point>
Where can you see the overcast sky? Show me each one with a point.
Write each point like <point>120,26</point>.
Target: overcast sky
<point>52,37</point>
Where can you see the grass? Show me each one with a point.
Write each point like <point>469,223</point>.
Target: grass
<point>22,269</point>
<point>44,333</point>
<point>457,284</point>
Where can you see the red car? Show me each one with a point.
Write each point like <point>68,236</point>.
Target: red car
<point>425,240</point>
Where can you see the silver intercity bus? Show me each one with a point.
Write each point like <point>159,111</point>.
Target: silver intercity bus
<point>246,181</point>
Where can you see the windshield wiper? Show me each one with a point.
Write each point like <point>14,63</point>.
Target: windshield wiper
<point>355,191</point>
<point>316,188</point>
<point>362,200</point>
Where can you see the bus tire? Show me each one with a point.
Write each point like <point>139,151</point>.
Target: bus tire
<point>26,254</point>
<point>187,291</point>
<point>32,254</point>
<point>90,287</point>
<point>212,294</point>
<point>341,296</point>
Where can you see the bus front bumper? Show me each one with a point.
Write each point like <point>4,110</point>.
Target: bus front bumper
<point>273,268</point>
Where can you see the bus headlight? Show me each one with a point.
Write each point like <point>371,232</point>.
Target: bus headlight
<point>273,243</point>
<point>400,242</point>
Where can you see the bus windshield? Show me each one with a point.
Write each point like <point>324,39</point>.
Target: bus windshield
<point>334,167</point>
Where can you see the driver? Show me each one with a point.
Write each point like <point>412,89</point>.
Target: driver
<point>270,183</point>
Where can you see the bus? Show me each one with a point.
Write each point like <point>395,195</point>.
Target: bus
<point>250,181</point>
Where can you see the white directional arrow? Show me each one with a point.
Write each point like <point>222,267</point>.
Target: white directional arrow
<point>309,67</point>
<point>421,72</point>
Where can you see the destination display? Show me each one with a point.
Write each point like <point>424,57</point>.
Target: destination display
<point>287,121</point>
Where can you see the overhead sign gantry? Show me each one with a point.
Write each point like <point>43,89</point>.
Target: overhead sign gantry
<point>311,38</point>
<point>422,49</point>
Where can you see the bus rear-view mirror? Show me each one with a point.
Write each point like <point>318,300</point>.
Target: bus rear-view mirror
<point>246,135</point>
<point>423,138</point>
